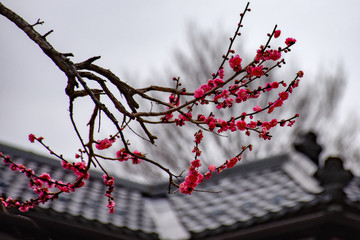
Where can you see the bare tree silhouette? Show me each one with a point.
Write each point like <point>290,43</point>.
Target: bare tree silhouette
<point>318,108</point>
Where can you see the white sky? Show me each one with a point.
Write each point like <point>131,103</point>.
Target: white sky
<point>134,37</point>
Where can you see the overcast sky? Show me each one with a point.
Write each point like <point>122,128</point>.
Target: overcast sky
<point>134,37</point>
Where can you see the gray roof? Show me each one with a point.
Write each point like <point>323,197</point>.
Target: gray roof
<point>250,195</point>
<point>87,205</point>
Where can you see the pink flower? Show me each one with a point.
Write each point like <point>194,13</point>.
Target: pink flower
<point>252,124</point>
<point>211,84</point>
<point>137,160</point>
<point>122,155</point>
<point>184,188</point>
<point>167,117</point>
<point>62,187</point>
<point>199,93</point>
<point>13,167</point>
<point>208,175</point>
<point>268,87</point>
<point>243,95</point>
<point>66,165</point>
<point>224,124</point>
<point>80,165</point>
<point>198,137</point>
<point>274,84</point>
<point>137,153</point>
<point>278,103</point>
<point>266,125</point>
<point>211,126</point>
<point>291,123</point>
<point>225,93</point>
<point>300,74</point>
<point>257,108</point>
<point>241,125</point>
<point>45,176</point>
<point>290,41</point>
<point>284,95</point>
<point>277,33</point>
<point>185,117</point>
<point>231,163</point>
<point>274,122</point>
<point>109,181</point>
<point>221,73</point>
<point>232,125</point>
<point>274,55</point>
<point>32,137</point>
<point>104,144</point>
<point>218,81</point>
<point>235,63</point>
<point>257,71</point>
<point>259,55</point>
<point>111,204</point>
<point>196,163</point>
<point>179,122</point>
<point>200,177</point>
<point>205,87</point>
<point>201,117</point>
<point>212,168</point>
<point>24,208</point>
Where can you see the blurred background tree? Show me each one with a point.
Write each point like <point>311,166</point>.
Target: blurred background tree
<point>318,102</point>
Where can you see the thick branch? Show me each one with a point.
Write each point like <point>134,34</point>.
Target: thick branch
<point>124,88</point>
<point>58,58</point>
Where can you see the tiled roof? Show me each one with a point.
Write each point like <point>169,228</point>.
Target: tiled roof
<point>257,193</point>
<point>87,205</point>
<point>250,195</point>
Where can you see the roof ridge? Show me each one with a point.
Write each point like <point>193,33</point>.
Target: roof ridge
<point>301,170</point>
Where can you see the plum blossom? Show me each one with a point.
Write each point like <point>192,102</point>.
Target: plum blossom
<point>277,33</point>
<point>235,63</point>
<point>241,125</point>
<point>231,163</point>
<point>290,41</point>
<point>211,168</point>
<point>221,73</point>
<point>256,71</point>
<point>32,138</point>
<point>274,55</point>
<point>104,144</point>
<point>274,84</point>
<point>199,93</point>
<point>257,108</point>
<point>284,95</point>
<point>300,74</point>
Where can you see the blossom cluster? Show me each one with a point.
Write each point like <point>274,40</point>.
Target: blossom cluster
<point>44,185</point>
<point>220,92</point>
<point>105,143</point>
<point>122,155</point>
<point>226,93</point>
<point>239,91</point>
<point>48,188</point>
<point>109,182</point>
<point>193,178</point>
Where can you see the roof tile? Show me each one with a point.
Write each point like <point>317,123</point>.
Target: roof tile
<point>250,194</point>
